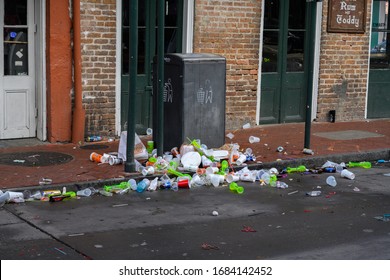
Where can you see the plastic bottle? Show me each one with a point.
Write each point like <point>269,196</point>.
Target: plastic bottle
<point>153,184</point>
<point>143,185</point>
<point>300,168</point>
<point>364,164</point>
<point>93,138</point>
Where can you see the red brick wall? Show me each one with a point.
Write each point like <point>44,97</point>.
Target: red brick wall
<point>343,71</point>
<point>98,51</point>
<point>232,29</point>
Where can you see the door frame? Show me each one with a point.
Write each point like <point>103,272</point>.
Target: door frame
<point>316,65</point>
<point>39,68</point>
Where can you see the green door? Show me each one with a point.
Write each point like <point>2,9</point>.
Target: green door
<point>147,43</point>
<point>378,102</point>
<point>284,68</point>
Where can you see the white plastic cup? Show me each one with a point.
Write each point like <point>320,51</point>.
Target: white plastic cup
<point>191,168</point>
<point>254,139</point>
<point>3,198</point>
<point>149,170</point>
<point>216,179</point>
<point>241,159</point>
<point>211,170</point>
<point>133,184</point>
<point>331,181</point>
<point>114,160</point>
<point>84,192</point>
<point>105,158</point>
<point>149,131</point>
<point>248,177</point>
<point>14,196</point>
<point>232,178</point>
<point>347,174</point>
<point>246,126</point>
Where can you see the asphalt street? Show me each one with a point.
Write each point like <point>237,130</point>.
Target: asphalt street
<point>262,223</point>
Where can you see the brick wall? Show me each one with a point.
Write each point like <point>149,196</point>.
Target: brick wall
<point>231,29</point>
<point>98,40</point>
<point>343,73</point>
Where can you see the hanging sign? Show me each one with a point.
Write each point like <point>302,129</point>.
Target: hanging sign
<point>347,16</point>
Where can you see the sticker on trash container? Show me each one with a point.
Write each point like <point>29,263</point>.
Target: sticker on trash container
<point>205,95</point>
<point>168,92</point>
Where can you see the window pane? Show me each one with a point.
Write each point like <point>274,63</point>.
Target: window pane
<point>271,17</point>
<point>295,51</point>
<point>15,51</point>
<point>270,51</point>
<point>380,48</point>
<point>15,12</point>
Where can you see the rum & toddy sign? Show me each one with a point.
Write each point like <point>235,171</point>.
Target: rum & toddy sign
<point>347,16</point>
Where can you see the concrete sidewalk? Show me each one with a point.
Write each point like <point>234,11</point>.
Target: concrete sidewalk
<point>23,163</point>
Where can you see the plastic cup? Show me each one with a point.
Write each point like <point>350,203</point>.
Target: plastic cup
<point>241,159</point>
<point>149,131</point>
<point>133,184</point>
<point>15,197</point>
<point>232,178</point>
<point>347,174</point>
<point>84,192</point>
<point>331,181</point>
<point>254,139</point>
<point>95,157</point>
<point>211,170</point>
<point>168,157</point>
<point>216,179</point>
<point>149,170</point>
<point>4,198</point>
<point>246,126</point>
<point>114,160</point>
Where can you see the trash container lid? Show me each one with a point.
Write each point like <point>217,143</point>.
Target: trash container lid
<point>193,57</point>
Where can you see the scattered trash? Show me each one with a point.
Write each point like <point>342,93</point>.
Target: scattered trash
<point>347,174</point>
<point>98,246</point>
<point>45,181</point>
<point>254,139</point>
<point>120,205</point>
<point>19,161</point>
<point>280,149</point>
<point>206,246</point>
<point>300,168</point>
<point>383,218</point>
<point>215,213</point>
<point>235,188</point>
<point>293,192</point>
<point>363,164</point>
<point>356,189</point>
<point>314,193</point>
<point>248,229</point>
<point>84,192</point>
<point>331,181</point>
<point>246,126</point>
<point>230,135</point>
<point>308,151</point>
<point>94,138</point>
<point>75,234</point>
<point>59,250</point>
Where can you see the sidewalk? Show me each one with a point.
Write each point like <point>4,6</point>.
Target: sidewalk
<point>340,141</point>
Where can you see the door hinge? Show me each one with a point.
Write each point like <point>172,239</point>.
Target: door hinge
<point>35,28</point>
<point>36,112</point>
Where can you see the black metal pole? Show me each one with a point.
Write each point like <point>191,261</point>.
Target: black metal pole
<point>311,14</point>
<point>160,76</point>
<point>133,48</point>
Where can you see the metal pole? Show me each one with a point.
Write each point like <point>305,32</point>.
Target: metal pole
<point>160,76</point>
<point>133,47</point>
<point>311,14</point>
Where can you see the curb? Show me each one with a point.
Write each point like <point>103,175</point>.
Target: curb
<point>310,161</point>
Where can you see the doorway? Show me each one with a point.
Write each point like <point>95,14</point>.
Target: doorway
<point>147,49</point>
<point>17,69</point>
<point>284,61</point>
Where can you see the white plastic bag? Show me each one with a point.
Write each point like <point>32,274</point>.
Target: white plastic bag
<point>140,151</point>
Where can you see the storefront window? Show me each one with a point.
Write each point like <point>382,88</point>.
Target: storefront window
<point>380,41</point>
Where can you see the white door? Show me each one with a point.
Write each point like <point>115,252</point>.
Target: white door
<point>17,75</point>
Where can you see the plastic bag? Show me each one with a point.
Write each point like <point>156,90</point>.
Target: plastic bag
<point>140,152</point>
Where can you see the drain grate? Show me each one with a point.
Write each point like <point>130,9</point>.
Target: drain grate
<point>94,147</point>
<point>31,159</point>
